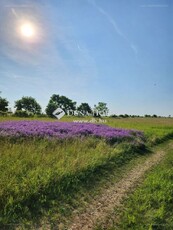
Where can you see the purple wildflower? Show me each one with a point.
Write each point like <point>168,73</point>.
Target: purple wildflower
<point>62,130</point>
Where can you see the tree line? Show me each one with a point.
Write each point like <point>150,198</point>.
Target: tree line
<point>28,106</point>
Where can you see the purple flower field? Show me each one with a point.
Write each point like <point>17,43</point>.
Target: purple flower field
<point>63,130</point>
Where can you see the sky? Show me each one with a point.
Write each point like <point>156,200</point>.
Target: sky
<point>115,51</point>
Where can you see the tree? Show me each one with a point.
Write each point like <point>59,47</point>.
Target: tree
<point>51,108</point>
<point>57,101</point>
<point>85,109</point>
<point>102,108</point>
<point>29,105</point>
<point>124,115</point>
<point>3,104</point>
<point>146,115</point>
<point>113,115</point>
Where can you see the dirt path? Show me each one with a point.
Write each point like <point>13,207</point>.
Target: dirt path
<point>112,197</point>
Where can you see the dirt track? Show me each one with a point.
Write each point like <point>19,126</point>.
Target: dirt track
<point>112,197</point>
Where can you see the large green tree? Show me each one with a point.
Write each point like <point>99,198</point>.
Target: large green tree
<point>57,101</point>
<point>84,108</point>
<point>28,104</point>
<point>102,108</point>
<point>3,104</point>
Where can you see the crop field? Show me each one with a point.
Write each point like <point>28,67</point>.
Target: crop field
<point>44,163</point>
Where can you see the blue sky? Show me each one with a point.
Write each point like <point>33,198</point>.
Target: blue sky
<point>116,51</point>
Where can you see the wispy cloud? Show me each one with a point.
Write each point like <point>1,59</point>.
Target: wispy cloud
<point>114,25</point>
<point>17,6</point>
<point>58,62</point>
<point>154,5</point>
<point>134,48</point>
<point>110,19</point>
<point>14,12</point>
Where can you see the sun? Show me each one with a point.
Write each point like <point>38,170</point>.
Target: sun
<point>27,30</point>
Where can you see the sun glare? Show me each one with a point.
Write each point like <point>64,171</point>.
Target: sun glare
<point>27,30</point>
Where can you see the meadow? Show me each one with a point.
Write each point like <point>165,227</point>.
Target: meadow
<point>150,207</point>
<point>156,129</point>
<point>40,175</point>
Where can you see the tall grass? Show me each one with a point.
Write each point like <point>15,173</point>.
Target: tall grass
<point>34,173</point>
<point>37,176</point>
<point>151,206</point>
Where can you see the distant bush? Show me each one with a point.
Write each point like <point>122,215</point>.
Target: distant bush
<point>124,115</point>
<point>113,115</point>
<point>2,113</point>
<point>41,115</point>
<point>154,115</point>
<point>146,115</point>
<point>21,113</point>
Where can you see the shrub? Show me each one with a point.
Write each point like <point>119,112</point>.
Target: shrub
<point>21,113</point>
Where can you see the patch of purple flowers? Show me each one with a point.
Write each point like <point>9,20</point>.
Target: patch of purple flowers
<point>63,130</point>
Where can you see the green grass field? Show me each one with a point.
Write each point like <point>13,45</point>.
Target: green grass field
<point>155,129</point>
<point>34,174</point>
<point>151,206</point>
<point>40,178</point>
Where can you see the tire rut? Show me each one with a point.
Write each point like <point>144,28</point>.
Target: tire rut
<point>112,197</point>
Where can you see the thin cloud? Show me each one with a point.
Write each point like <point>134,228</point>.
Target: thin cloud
<point>114,24</point>
<point>18,6</point>
<point>111,20</point>
<point>154,5</point>
<point>134,48</point>
<point>14,12</point>
<point>79,48</point>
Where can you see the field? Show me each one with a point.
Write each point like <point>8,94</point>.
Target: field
<point>150,207</point>
<point>155,129</point>
<point>43,178</point>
